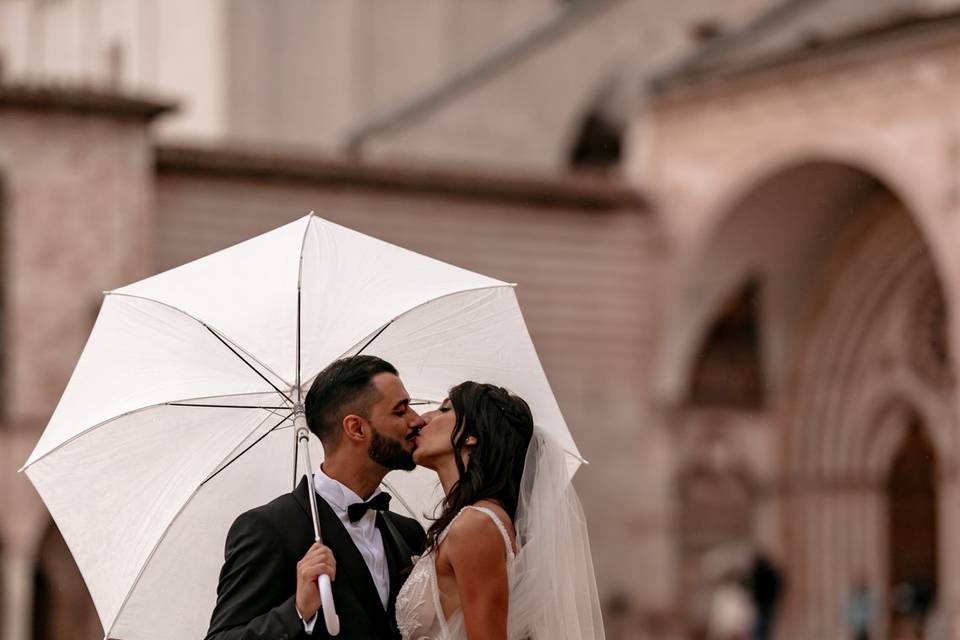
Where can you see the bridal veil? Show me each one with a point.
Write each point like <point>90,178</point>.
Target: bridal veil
<point>555,593</point>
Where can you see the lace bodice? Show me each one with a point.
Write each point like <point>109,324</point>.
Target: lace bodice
<point>419,612</point>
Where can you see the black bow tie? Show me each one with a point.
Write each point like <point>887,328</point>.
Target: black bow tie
<point>379,502</point>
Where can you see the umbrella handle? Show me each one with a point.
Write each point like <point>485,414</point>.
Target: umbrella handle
<point>330,617</point>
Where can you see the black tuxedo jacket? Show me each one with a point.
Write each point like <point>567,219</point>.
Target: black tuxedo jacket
<point>258,582</point>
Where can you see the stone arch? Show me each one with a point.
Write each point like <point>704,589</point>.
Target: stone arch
<point>843,259</point>
<point>62,608</point>
<point>691,306</point>
<point>728,370</point>
<point>844,325</point>
<point>853,391</point>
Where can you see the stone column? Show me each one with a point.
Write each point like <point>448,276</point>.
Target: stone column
<point>21,534</point>
<point>18,568</point>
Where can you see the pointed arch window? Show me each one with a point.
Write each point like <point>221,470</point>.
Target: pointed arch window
<point>728,370</point>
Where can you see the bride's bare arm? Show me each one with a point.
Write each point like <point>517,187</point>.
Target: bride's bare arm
<point>474,548</point>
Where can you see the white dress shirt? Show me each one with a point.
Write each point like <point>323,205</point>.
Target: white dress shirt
<point>363,532</point>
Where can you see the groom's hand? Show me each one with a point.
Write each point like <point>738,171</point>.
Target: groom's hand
<point>318,561</point>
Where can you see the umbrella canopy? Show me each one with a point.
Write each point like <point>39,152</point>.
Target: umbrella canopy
<point>179,414</point>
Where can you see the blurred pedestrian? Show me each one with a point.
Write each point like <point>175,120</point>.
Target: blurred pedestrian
<point>765,583</point>
<point>732,614</point>
<point>860,610</point>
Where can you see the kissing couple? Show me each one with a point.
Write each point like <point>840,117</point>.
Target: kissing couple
<point>507,558</point>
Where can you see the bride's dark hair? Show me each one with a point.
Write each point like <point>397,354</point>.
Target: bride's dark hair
<point>503,426</point>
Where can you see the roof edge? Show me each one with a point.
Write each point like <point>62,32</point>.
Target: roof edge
<point>79,98</point>
<point>762,21</point>
<point>903,27</point>
<point>264,163</point>
<point>500,58</point>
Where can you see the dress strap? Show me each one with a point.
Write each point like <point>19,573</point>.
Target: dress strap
<point>496,520</point>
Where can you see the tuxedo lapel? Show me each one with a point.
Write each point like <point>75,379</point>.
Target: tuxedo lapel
<point>350,564</point>
<point>394,559</point>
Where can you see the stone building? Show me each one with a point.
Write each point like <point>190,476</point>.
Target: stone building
<point>735,254</point>
<point>808,188</point>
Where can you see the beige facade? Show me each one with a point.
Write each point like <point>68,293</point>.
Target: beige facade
<point>831,179</point>
<point>524,104</point>
<point>753,342</point>
<point>283,71</point>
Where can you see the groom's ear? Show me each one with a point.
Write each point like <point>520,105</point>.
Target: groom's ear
<point>354,428</point>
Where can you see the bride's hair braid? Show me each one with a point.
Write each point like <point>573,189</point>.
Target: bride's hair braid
<point>503,426</point>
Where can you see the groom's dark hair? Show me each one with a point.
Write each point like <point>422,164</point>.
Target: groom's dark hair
<point>344,387</point>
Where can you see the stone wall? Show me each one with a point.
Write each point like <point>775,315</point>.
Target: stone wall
<point>76,199</point>
<point>781,173</point>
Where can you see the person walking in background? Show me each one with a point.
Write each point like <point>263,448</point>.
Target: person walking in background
<point>732,615</point>
<point>859,610</point>
<point>766,585</point>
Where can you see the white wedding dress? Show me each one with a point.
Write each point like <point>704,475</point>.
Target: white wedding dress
<point>419,613</point>
<point>553,592</point>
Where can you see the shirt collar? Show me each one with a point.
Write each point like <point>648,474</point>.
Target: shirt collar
<point>335,492</point>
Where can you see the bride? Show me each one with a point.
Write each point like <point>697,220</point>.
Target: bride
<point>508,558</point>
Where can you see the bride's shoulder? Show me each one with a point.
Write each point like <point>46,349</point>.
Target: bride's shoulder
<point>474,526</point>
<point>486,508</point>
<point>474,542</point>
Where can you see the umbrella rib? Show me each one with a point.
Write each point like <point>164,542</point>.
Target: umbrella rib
<point>244,361</point>
<point>155,405</point>
<point>375,336</point>
<point>303,245</point>
<point>223,406</point>
<point>351,350</point>
<point>425,303</point>
<point>201,323</point>
<point>163,536</point>
<point>252,445</point>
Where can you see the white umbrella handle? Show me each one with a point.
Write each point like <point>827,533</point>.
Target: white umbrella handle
<point>330,617</point>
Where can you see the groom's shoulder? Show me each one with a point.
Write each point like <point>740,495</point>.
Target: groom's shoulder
<point>269,514</point>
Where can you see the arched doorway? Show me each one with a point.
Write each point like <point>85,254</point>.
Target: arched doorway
<point>851,351</point>
<point>62,607</point>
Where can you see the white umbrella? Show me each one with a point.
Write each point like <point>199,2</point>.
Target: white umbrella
<point>178,416</point>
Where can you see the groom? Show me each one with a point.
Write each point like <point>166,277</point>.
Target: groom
<point>361,413</point>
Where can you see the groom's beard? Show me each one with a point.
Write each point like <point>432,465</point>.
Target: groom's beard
<point>390,453</point>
